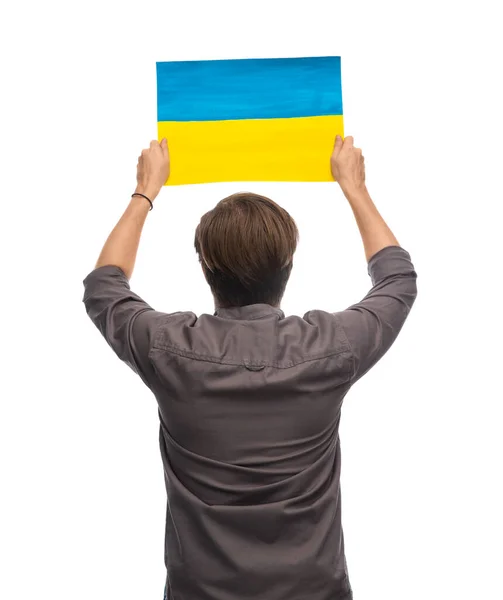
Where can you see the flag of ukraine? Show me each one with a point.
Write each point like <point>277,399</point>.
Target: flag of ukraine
<point>267,119</point>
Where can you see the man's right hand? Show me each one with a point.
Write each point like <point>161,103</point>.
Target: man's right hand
<point>348,165</point>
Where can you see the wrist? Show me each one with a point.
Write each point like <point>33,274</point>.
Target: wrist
<point>140,204</point>
<point>355,192</point>
<point>150,192</point>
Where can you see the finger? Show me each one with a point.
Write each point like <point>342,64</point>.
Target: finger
<point>154,143</point>
<point>348,141</point>
<point>164,144</point>
<point>338,142</point>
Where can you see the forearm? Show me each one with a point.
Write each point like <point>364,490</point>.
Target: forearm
<point>121,247</point>
<point>375,234</point>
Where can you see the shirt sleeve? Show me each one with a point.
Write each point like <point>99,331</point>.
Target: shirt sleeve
<point>372,325</point>
<point>124,319</point>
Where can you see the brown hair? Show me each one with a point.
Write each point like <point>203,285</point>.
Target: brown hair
<point>246,246</point>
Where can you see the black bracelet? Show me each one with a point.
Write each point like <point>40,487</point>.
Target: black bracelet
<point>136,194</point>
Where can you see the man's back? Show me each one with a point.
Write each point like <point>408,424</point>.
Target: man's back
<point>249,438</point>
<point>249,406</point>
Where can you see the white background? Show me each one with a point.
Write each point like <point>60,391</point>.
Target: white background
<point>82,491</point>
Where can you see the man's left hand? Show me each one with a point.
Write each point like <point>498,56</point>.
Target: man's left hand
<point>153,169</point>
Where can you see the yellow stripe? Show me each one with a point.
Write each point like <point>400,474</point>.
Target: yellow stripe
<point>295,149</point>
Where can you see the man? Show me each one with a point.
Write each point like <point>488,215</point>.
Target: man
<point>250,400</point>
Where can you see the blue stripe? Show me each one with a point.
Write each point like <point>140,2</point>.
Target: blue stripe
<point>256,88</point>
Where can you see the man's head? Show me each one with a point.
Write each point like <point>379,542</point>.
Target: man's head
<point>246,246</point>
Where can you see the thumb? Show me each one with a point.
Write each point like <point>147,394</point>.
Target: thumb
<point>338,143</point>
<point>164,144</point>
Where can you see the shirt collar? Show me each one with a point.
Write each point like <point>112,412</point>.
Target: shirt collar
<point>249,312</point>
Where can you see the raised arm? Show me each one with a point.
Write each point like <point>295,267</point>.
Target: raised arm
<point>121,247</point>
<point>373,324</point>
<point>124,319</point>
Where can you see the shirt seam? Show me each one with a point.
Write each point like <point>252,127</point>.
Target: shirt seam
<point>253,318</point>
<point>235,362</point>
<point>350,348</point>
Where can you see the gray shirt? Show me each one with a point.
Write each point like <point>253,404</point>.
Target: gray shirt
<point>249,405</point>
